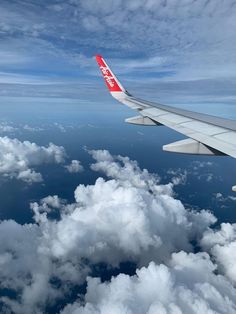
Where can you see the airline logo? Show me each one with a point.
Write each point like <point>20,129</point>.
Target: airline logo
<point>107,76</point>
<point>110,80</point>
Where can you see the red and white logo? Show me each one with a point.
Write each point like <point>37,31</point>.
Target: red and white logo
<point>109,78</point>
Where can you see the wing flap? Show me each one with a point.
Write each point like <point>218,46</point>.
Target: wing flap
<point>190,146</point>
<point>204,135</point>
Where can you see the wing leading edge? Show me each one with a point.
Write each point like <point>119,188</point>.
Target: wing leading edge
<point>206,134</point>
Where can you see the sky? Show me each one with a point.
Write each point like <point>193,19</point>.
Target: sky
<point>180,51</point>
<point>94,216</point>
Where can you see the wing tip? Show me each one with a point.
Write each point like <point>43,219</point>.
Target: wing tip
<point>110,79</point>
<point>98,56</point>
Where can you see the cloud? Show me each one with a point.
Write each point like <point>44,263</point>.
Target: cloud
<point>18,159</point>
<point>221,198</point>
<point>186,35</point>
<point>124,169</point>
<point>74,167</point>
<point>222,245</point>
<point>51,202</point>
<point>201,164</point>
<point>171,41</point>
<point>129,216</point>
<point>32,128</point>
<point>200,170</point>
<point>6,128</point>
<point>25,267</point>
<point>187,285</point>
<point>179,53</point>
<point>60,127</point>
<point>179,176</point>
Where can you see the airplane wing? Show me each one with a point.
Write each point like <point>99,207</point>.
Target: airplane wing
<point>206,134</point>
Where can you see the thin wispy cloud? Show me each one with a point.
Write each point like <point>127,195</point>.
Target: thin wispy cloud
<point>169,41</point>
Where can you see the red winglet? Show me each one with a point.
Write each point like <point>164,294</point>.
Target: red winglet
<point>110,79</point>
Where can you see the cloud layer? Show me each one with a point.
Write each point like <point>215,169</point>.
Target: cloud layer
<point>129,217</point>
<point>186,46</point>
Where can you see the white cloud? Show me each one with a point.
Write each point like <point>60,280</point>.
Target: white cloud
<point>7,128</point>
<point>123,169</point>
<point>201,164</point>
<point>25,266</point>
<point>221,198</point>
<point>186,35</point>
<point>122,219</point>
<point>52,201</point>
<point>28,175</point>
<point>222,245</point>
<point>60,127</point>
<point>17,159</point>
<point>129,217</point>
<point>201,170</point>
<point>32,129</point>
<point>179,176</point>
<point>171,30</point>
<point>187,285</point>
<point>74,167</point>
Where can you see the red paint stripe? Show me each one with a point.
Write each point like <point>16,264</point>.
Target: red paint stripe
<point>110,80</point>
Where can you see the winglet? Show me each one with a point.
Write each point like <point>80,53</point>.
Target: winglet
<point>110,79</point>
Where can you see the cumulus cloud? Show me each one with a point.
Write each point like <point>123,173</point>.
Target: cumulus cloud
<point>222,245</point>
<point>17,159</point>
<point>51,202</point>
<point>130,216</point>
<point>124,169</point>
<point>24,265</point>
<point>118,219</point>
<point>74,167</point>
<point>187,285</point>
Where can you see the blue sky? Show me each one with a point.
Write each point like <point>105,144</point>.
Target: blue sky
<point>178,52</point>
